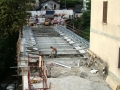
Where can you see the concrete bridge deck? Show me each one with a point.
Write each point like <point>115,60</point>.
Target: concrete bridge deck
<point>71,53</point>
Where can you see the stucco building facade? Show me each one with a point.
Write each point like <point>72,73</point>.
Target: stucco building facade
<point>105,36</point>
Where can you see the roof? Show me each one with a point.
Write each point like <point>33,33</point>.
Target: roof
<point>56,1</point>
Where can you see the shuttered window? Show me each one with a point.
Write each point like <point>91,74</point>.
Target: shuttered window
<point>119,59</point>
<point>105,5</point>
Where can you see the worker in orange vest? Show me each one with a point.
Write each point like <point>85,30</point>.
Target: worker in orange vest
<point>54,52</point>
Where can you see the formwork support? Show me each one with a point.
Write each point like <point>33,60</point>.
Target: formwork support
<point>42,73</point>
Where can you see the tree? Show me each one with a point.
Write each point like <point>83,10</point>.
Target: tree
<point>12,18</point>
<point>83,23</point>
<point>85,20</point>
<point>70,3</point>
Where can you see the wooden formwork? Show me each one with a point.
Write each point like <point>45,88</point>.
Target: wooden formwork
<point>42,76</point>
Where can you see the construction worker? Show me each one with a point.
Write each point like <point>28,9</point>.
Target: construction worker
<point>54,52</point>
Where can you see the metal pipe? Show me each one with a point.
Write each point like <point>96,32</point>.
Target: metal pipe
<point>62,65</point>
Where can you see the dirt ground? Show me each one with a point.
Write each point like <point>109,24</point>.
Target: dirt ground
<point>74,78</point>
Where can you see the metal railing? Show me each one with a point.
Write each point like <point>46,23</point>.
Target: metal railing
<point>76,38</point>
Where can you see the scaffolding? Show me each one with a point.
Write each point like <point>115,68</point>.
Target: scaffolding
<point>41,77</point>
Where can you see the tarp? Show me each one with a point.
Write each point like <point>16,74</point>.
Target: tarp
<point>50,12</point>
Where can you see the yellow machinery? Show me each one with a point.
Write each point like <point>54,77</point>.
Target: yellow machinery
<point>47,23</point>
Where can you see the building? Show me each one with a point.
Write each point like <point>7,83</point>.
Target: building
<point>105,36</point>
<point>50,5</point>
<point>46,4</point>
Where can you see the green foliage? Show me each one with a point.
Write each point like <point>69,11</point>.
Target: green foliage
<point>85,20</point>
<point>70,3</point>
<point>12,18</point>
<point>89,5</point>
<point>70,0</point>
<point>7,52</point>
<point>83,23</point>
<point>76,22</point>
<point>85,33</point>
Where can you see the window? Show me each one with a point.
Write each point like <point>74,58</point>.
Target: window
<point>105,4</point>
<point>54,6</point>
<point>45,7</point>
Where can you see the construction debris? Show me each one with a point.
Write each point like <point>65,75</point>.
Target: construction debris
<point>94,71</point>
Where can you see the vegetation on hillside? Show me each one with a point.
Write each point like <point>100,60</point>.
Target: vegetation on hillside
<point>82,24</point>
<point>70,3</point>
<point>12,18</point>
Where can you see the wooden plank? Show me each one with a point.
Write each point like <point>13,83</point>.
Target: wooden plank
<point>45,74</point>
<point>40,59</point>
<point>91,53</point>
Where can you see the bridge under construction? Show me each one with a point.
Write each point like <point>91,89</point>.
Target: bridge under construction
<point>70,70</point>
